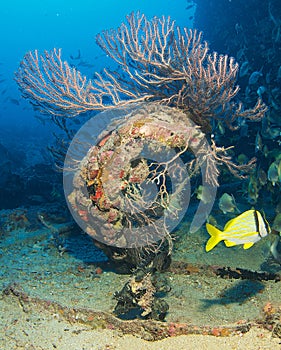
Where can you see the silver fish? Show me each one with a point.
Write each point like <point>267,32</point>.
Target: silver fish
<point>204,194</point>
<point>275,249</point>
<point>227,203</point>
<point>272,173</point>
<point>258,143</point>
<point>244,69</point>
<point>261,90</point>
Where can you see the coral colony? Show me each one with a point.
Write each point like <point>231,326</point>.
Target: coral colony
<point>170,88</point>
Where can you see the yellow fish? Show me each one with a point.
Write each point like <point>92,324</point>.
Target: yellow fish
<point>247,228</point>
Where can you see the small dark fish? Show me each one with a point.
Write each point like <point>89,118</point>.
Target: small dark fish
<point>85,64</point>
<point>190,18</point>
<point>2,80</point>
<point>244,128</point>
<point>240,53</point>
<point>3,91</point>
<point>100,56</point>
<point>258,143</point>
<point>41,119</point>
<point>189,7</point>
<point>76,57</point>
<point>76,121</point>
<point>254,77</point>
<point>238,28</point>
<point>14,101</point>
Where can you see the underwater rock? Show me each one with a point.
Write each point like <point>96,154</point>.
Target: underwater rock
<point>121,192</point>
<point>140,292</point>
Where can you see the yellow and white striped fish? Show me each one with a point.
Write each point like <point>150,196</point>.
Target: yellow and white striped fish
<point>247,228</point>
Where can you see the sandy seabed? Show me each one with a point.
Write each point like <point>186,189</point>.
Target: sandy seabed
<point>28,328</point>
<point>31,262</point>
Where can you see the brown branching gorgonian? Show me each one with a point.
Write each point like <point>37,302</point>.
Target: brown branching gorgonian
<point>160,62</point>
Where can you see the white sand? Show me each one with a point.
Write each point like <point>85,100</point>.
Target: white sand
<point>23,327</point>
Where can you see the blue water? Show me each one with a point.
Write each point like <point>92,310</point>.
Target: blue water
<point>70,25</point>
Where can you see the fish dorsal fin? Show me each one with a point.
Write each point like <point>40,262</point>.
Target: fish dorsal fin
<point>229,224</point>
<point>248,245</point>
<point>238,219</point>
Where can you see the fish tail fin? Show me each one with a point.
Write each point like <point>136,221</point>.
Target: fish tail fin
<point>215,237</point>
